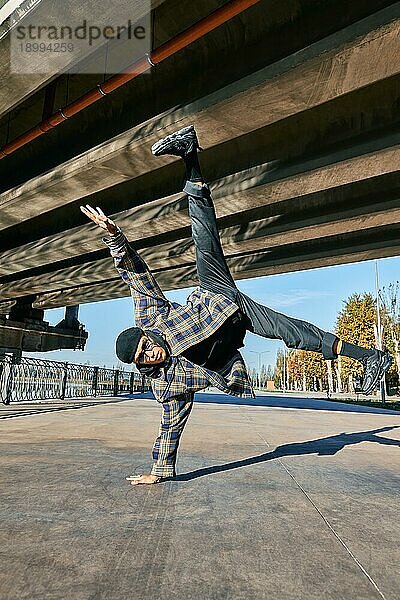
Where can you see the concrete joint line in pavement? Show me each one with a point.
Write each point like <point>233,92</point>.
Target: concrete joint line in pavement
<point>327,523</point>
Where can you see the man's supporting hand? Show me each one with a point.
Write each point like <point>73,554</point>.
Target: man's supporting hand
<point>98,217</point>
<point>143,479</point>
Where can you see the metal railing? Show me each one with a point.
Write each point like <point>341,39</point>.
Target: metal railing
<point>32,379</point>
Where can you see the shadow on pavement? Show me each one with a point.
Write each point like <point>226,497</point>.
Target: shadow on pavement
<point>323,447</point>
<point>13,411</point>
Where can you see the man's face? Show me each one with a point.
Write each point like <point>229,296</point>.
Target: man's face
<point>149,353</point>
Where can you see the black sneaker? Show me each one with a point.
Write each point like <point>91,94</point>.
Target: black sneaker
<point>375,367</point>
<point>180,143</point>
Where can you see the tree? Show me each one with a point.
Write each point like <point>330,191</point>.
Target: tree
<point>330,376</point>
<point>270,373</point>
<point>355,324</point>
<point>263,376</point>
<point>304,370</point>
<point>278,372</point>
<point>295,365</point>
<point>337,365</point>
<point>254,377</point>
<point>315,371</point>
<point>390,315</point>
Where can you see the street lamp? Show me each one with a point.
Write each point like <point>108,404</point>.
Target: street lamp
<point>379,328</point>
<point>259,363</point>
<point>285,373</point>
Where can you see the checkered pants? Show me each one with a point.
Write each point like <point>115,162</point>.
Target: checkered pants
<point>175,413</point>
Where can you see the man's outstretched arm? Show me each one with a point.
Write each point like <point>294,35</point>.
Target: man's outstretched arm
<point>145,291</point>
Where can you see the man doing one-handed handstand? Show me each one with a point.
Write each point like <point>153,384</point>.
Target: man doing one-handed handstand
<point>184,349</point>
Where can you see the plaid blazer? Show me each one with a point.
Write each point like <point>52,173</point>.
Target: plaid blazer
<point>181,326</point>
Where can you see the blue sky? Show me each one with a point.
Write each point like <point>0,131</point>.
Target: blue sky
<point>316,295</point>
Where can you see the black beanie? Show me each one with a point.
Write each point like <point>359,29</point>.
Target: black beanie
<point>127,343</point>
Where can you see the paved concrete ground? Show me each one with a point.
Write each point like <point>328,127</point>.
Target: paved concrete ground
<point>297,499</point>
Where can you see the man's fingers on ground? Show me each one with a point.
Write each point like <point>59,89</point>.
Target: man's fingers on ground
<point>100,211</point>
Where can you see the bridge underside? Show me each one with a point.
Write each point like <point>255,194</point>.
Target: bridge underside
<point>297,108</point>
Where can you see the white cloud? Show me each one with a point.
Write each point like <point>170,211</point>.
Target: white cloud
<point>290,298</point>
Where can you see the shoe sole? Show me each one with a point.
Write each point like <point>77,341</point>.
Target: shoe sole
<point>386,363</point>
<point>163,143</point>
